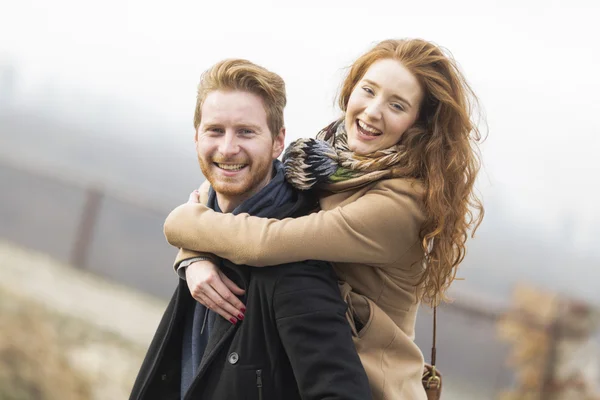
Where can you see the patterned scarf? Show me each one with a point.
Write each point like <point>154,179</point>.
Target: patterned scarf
<point>327,159</point>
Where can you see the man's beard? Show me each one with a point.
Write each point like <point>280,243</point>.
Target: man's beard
<point>233,186</point>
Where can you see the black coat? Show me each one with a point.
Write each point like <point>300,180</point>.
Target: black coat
<point>294,342</point>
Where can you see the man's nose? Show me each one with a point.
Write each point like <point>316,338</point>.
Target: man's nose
<point>229,146</point>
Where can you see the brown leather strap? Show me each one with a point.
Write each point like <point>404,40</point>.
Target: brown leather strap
<point>433,349</point>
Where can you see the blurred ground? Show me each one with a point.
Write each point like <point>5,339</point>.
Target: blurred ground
<point>68,334</point>
<point>32,365</point>
<point>72,335</point>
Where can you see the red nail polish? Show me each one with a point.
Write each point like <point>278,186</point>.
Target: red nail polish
<point>233,320</point>
<point>240,316</point>
<point>243,309</point>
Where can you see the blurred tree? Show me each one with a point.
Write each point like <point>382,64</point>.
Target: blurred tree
<point>554,354</point>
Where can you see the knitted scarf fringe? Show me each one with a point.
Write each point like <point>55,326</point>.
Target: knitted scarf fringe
<point>327,159</point>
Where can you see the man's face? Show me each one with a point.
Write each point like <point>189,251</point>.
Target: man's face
<point>235,146</point>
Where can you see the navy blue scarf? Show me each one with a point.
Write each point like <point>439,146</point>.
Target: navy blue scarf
<point>278,199</point>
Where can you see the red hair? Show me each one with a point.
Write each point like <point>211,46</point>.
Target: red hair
<point>442,152</point>
<point>243,75</point>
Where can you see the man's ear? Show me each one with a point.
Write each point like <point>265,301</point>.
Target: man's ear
<point>278,143</point>
<point>196,135</point>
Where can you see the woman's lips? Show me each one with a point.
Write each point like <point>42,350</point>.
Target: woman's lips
<point>365,134</point>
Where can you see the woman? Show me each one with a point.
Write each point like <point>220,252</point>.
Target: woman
<point>395,181</point>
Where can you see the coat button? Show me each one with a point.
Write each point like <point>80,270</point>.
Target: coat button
<point>233,358</point>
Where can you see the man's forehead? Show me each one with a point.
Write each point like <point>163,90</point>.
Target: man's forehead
<point>233,107</point>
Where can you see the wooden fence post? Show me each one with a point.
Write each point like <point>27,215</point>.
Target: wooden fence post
<point>554,354</point>
<point>87,224</point>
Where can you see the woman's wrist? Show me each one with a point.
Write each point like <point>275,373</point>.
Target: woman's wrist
<point>185,263</point>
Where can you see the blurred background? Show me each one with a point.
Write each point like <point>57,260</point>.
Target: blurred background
<point>96,147</point>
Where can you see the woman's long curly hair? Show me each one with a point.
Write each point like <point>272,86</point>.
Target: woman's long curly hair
<point>442,152</point>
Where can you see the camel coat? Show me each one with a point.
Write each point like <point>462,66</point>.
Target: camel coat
<point>370,230</point>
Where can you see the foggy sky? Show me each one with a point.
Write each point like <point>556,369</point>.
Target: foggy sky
<point>533,64</point>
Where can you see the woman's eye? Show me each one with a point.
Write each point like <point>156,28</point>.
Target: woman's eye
<point>368,90</point>
<point>397,107</point>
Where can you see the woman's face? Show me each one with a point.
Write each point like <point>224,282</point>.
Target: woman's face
<point>382,106</point>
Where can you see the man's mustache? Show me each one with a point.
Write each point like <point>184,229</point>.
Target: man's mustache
<point>225,160</point>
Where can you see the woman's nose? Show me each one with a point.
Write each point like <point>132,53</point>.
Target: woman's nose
<point>373,110</point>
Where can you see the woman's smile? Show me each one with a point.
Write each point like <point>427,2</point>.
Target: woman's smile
<point>368,131</point>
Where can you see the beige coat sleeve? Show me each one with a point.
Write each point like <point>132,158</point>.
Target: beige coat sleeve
<point>377,229</point>
<point>185,254</point>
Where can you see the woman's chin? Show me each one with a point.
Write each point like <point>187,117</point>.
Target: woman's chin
<point>359,148</point>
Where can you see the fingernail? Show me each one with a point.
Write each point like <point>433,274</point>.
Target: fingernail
<point>240,316</point>
<point>233,320</point>
<point>243,309</point>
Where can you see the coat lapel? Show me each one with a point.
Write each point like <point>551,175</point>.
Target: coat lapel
<point>221,331</point>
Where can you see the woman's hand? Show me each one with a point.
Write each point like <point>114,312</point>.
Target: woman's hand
<point>194,197</point>
<point>209,286</point>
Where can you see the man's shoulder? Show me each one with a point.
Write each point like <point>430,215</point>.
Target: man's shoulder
<point>300,273</point>
<point>316,266</point>
<point>307,288</point>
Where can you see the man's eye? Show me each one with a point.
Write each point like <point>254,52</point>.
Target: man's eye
<point>246,131</point>
<point>215,130</point>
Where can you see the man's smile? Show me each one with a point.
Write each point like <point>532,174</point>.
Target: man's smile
<point>230,167</point>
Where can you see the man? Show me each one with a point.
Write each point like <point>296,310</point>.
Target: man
<point>294,341</point>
